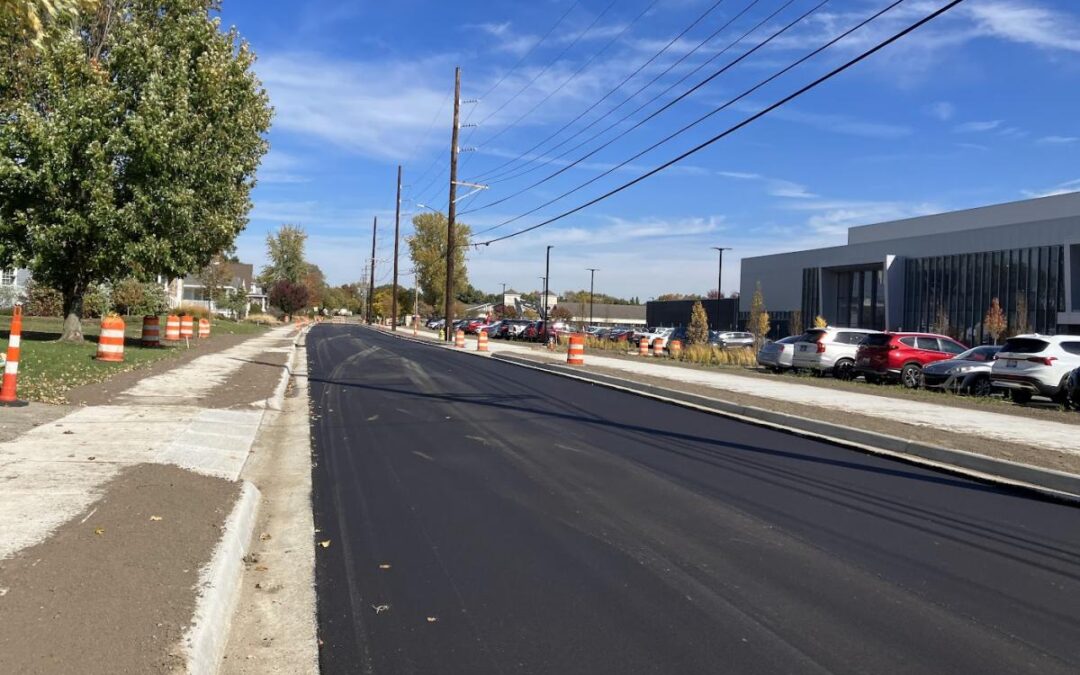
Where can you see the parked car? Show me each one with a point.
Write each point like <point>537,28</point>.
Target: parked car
<point>890,356</point>
<point>492,329</point>
<point>652,334</point>
<point>776,355</point>
<point>513,329</point>
<point>436,323</point>
<point>472,326</point>
<point>967,373</point>
<point>1072,390</point>
<point>1036,365</point>
<point>620,334</point>
<point>731,339</point>
<point>829,350</point>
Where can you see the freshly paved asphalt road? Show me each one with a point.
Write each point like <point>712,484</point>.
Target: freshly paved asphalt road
<point>486,518</point>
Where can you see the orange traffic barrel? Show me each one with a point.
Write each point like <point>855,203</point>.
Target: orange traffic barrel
<point>674,348</point>
<point>111,340</point>
<point>11,368</point>
<point>459,339</point>
<point>172,328</point>
<point>151,331</point>
<point>575,353</point>
<point>658,347</point>
<point>186,326</point>
<point>204,328</point>
<point>482,341</point>
<point>643,347</point>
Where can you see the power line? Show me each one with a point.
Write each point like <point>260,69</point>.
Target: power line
<point>671,103</point>
<point>577,72</point>
<point>544,161</point>
<point>612,91</point>
<point>740,125</point>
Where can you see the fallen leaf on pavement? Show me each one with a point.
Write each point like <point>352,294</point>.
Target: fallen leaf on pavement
<point>379,609</point>
<point>264,536</point>
<point>99,530</point>
<point>432,619</point>
<point>325,544</point>
<point>155,518</point>
<point>261,568</point>
<point>384,566</point>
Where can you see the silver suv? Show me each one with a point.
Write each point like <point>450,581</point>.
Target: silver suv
<point>1036,365</point>
<point>823,350</point>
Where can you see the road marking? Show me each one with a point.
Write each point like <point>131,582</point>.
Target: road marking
<point>479,439</point>
<point>567,447</point>
<point>372,418</point>
<point>420,454</point>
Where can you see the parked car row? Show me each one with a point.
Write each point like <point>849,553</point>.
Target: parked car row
<point>1024,367</point>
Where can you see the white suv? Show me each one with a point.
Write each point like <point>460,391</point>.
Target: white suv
<point>1036,365</point>
<point>829,349</point>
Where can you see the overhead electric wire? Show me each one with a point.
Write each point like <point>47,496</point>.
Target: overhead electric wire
<point>544,161</point>
<point>496,170</point>
<point>577,72</point>
<point>730,130</point>
<point>667,106</point>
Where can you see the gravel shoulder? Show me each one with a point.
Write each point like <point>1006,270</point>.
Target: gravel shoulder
<point>113,591</point>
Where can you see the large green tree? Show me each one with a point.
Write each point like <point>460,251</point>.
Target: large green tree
<point>427,248</point>
<point>128,147</point>
<point>285,251</point>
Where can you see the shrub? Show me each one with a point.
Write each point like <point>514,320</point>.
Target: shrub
<point>41,300</point>
<point>289,297</point>
<point>96,302</point>
<point>698,333</point>
<point>261,319</point>
<point>254,308</point>
<point>155,300</point>
<point>128,296</point>
<point>194,311</point>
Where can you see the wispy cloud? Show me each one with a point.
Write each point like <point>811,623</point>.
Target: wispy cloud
<point>1059,189</point>
<point>1059,140</point>
<point>1027,23</point>
<point>977,127</point>
<point>834,217</point>
<point>942,110</point>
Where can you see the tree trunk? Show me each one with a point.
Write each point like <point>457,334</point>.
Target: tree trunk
<point>73,309</point>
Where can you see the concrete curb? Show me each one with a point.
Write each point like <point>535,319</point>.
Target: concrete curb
<point>277,400</point>
<point>219,584</point>
<point>1056,485</point>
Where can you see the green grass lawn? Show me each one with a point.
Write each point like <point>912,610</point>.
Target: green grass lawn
<point>48,369</point>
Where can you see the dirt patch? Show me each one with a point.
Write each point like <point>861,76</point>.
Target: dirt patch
<point>113,590</point>
<point>17,421</point>
<point>255,381</point>
<point>103,393</point>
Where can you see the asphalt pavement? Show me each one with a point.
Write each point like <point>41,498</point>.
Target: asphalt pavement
<point>487,518</point>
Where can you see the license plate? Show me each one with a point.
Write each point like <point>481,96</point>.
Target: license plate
<point>803,348</point>
<point>1010,363</point>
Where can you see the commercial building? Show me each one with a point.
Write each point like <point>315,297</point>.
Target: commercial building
<point>938,272</point>
<point>603,314</point>
<point>722,314</point>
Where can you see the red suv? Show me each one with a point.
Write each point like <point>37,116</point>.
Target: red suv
<point>472,326</point>
<point>901,356</point>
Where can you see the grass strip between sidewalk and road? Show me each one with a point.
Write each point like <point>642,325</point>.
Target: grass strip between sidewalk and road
<point>48,369</point>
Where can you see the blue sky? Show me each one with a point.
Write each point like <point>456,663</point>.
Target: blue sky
<point>979,107</point>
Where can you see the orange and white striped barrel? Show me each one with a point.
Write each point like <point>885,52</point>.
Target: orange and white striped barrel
<point>674,348</point>
<point>482,341</point>
<point>11,368</point>
<point>643,347</point>
<point>204,328</point>
<point>575,353</point>
<point>151,331</point>
<point>111,340</point>
<point>172,328</point>
<point>459,339</point>
<point>186,326</point>
<point>658,347</point>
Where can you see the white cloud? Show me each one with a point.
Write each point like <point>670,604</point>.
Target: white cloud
<point>281,167</point>
<point>834,217</point>
<point>1059,189</point>
<point>1026,23</point>
<point>977,127</point>
<point>776,187</point>
<point>1059,140</point>
<point>942,110</point>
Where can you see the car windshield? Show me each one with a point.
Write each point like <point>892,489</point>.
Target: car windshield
<point>811,336</point>
<point>978,354</point>
<point>1020,345</point>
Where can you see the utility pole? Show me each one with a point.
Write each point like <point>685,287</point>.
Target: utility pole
<point>719,277</point>
<point>371,285</point>
<point>547,277</point>
<point>452,209</point>
<point>592,285</point>
<point>397,228</point>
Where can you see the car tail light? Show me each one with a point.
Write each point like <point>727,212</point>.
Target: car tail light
<point>780,348</point>
<point>1043,360</point>
<point>821,348</point>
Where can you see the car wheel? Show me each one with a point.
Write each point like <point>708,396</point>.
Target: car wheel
<point>981,387</point>
<point>844,370</point>
<point>1020,396</point>
<point>1062,397</point>
<point>910,376</point>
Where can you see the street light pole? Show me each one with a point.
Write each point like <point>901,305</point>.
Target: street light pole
<point>719,281</point>
<point>592,286</point>
<point>547,277</point>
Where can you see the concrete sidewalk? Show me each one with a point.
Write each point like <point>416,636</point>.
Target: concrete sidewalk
<point>64,473</point>
<point>992,426</point>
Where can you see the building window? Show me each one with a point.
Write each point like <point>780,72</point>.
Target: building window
<point>860,298</point>
<point>7,278</point>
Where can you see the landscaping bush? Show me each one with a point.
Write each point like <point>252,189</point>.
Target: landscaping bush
<point>42,300</point>
<point>96,302</point>
<point>261,319</point>
<point>194,311</point>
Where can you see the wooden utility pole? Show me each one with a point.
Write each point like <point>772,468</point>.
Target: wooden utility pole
<point>451,212</point>
<point>397,227</point>
<point>371,285</point>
